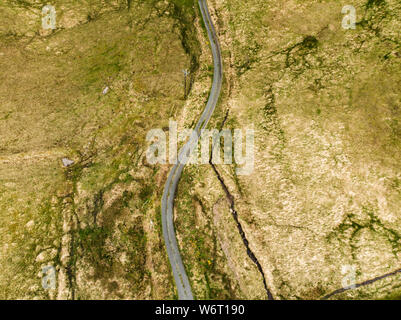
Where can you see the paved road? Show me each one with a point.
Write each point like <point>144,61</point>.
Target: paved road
<point>180,275</point>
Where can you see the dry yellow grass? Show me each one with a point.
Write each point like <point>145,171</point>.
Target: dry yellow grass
<point>325,104</point>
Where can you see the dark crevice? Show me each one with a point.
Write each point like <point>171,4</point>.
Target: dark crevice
<point>189,41</point>
<point>234,213</point>
<point>72,174</point>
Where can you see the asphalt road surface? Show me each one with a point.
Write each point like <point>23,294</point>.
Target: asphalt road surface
<point>180,275</point>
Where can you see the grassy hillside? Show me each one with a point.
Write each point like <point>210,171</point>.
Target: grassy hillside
<point>97,222</point>
<point>325,191</point>
<point>325,106</point>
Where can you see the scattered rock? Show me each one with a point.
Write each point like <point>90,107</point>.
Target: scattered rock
<point>30,224</point>
<point>67,162</point>
<point>41,257</point>
<point>10,184</point>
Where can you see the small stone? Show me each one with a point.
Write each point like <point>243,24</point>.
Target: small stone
<point>41,257</point>
<point>30,224</point>
<point>67,162</point>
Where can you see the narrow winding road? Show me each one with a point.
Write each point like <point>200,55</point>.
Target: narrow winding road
<point>170,188</point>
